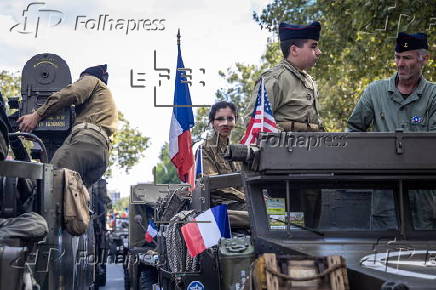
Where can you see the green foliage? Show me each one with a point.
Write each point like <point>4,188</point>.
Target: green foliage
<point>165,172</point>
<point>127,148</point>
<point>121,204</point>
<point>9,86</point>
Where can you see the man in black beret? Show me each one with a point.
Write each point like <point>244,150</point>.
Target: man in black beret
<point>404,101</point>
<point>86,149</point>
<point>291,90</point>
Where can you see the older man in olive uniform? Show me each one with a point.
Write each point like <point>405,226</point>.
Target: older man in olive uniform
<point>292,92</point>
<point>86,149</point>
<point>404,101</point>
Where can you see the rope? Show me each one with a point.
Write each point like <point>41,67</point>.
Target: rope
<point>309,278</point>
<point>176,247</point>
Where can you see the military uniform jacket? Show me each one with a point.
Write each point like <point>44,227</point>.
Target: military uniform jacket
<point>213,157</point>
<point>93,101</point>
<point>214,164</point>
<point>383,108</point>
<point>293,94</point>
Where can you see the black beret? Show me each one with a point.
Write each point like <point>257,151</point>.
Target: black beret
<point>99,71</point>
<point>414,41</point>
<point>293,31</point>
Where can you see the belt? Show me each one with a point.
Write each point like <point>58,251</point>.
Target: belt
<point>86,125</point>
<point>293,126</point>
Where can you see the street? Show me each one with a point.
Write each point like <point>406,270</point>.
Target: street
<point>114,277</point>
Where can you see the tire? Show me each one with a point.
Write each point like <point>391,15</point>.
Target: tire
<point>147,278</point>
<point>126,279</point>
<point>100,275</point>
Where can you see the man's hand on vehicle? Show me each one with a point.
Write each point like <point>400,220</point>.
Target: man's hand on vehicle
<point>28,122</point>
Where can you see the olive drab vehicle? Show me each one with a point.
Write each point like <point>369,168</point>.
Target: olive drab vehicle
<point>327,211</point>
<point>57,260</point>
<point>143,260</point>
<point>367,197</point>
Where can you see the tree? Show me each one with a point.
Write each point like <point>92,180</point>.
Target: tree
<point>165,172</point>
<point>121,204</point>
<point>128,143</point>
<point>9,86</point>
<point>128,146</point>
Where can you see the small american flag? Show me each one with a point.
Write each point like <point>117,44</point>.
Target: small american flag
<point>261,119</point>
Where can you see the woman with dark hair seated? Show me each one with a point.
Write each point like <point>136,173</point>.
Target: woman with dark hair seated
<point>222,117</point>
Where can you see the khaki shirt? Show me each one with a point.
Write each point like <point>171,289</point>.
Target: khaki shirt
<point>383,108</point>
<point>293,94</point>
<point>93,101</point>
<point>214,164</point>
<point>213,157</point>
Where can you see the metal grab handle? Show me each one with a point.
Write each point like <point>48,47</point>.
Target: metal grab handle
<point>237,249</point>
<point>33,137</point>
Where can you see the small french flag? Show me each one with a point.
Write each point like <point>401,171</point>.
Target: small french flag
<point>151,232</point>
<point>200,236</point>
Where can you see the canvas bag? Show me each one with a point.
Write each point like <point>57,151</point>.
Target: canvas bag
<point>76,200</point>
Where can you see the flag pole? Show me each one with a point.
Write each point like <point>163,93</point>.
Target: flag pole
<point>262,103</point>
<point>178,36</point>
<point>201,160</point>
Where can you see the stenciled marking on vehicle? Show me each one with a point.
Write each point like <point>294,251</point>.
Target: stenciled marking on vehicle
<point>390,262</point>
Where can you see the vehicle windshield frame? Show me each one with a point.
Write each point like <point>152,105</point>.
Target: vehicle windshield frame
<point>399,183</point>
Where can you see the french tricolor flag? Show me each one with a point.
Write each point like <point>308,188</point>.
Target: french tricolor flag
<point>213,224</point>
<point>151,232</point>
<point>182,120</point>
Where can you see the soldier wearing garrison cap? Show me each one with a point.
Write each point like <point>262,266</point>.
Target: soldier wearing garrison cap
<point>86,149</point>
<point>404,101</point>
<point>292,92</point>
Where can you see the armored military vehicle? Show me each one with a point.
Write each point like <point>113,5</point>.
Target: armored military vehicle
<point>58,260</point>
<point>368,197</point>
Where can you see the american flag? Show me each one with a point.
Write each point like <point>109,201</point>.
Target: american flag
<point>261,119</point>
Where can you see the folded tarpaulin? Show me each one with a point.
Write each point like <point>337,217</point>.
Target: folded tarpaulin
<point>28,226</point>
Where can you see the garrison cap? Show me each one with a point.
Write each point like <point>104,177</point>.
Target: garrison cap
<point>99,71</point>
<point>294,31</point>
<point>414,41</point>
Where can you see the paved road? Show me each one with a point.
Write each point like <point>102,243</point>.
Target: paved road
<point>114,277</point>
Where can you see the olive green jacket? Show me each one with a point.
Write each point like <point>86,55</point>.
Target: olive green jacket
<point>293,94</point>
<point>382,108</point>
<point>93,101</point>
<point>213,164</point>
